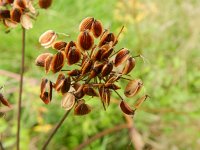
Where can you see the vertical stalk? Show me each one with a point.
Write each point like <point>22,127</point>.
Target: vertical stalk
<point>21,87</point>
<point>55,130</point>
<point>1,146</point>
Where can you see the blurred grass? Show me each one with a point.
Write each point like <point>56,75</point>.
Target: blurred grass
<point>167,33</point>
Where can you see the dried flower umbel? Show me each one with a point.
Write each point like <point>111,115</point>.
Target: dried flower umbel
<point>96,72</point>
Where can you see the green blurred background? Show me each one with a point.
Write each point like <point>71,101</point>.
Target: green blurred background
<point>167,33</point>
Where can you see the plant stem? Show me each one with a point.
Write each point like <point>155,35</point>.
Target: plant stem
<point>55,130</point>
<point>21,88</point>
<point>1,146</point>
<point>101,134</point>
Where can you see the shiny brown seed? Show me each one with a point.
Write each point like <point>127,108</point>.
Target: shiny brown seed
<point>106,54</point>
<point>74,55</point>
<point>96,70</point>
<point>4,101</point>
<point>4,14</point>
<point>112,86</point>
<point>112,79</point>
<point>140,101</point>
<point>121,56</point>
<point>47,38</point>
<point>43,86</point>
<point>74,72</point>
<point>47,63</point>
<point>97,28</point>
<point>10,1</point>
<point>87,66</point>
<point>86,24</point>
<point>68,46</point>
<point>59,82</point>
<point>85,40</point>
<point>16,14</point>
<point>40,60</point>
<point>90,91</point>
<point>21,3</point>
<point>46,92</point>
<point>68,101</point>
<point>59,45</point>
<point>79,91</point>
<point>58,61</point>
<point>66,85</point>
<point>130,64</point>
<point>107,68</point>
<point>45,3</point>
<point>81,108</point>
<point>126,108</point>
<point>133,87</point>
<point>106,38</point>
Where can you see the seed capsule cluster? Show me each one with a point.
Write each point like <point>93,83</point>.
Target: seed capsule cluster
<point>96,68</point>
<point>13,12</point>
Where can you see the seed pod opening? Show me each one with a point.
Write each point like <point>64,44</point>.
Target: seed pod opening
<point>85,40</point>
<point>68,101</point>
<point>126,108</point>
<point>130,64</point>
<point>58,61</point>
<point>97,28</point>
<point>133,87</point>
<point>47,38</point>
<point>40,60</point>
<point>86,24</point>
<point>81,108</point>
<point>16,14</point>
<point>121,56</point>
<point>45,3</point>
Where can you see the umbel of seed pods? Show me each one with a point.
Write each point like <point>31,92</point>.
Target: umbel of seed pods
<point>96,68</point>
<point>14,12</point>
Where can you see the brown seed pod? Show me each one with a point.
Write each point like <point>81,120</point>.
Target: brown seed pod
<point>97,55</point>
<point>4,14</point>
<point>4,101</point>
<point>79,91</point>
<point>59,45</point>
<point>121,56</point>
<point>105,94</point>
<point>43,86</point>
<point>85,40</point>
<point>97,28</point>
<point>74,55</point>
<point>81,108</point>
<point>87,66</point>
<point>86,24</point>
<point>68,101</point>
<point>130,64</point>
<point>45,3</point>
<point>96,70</point>
<point>133,87</point>
<point>46,92</point>
<point>106,38</point>
<point>47,63</point>
<point>66,85</point>
<point>40,60</point>
<point>59,82</point>
<point>140,101</point>
<point>58,61</point>
<point>20,3</point>
<point>9,1</point>
<point>47,38</point>
<point>107,68</point>
<point>16,14</point>
<point>126,108</point>
<point>68,46</point>
<point>112,79</point>
<point>74,72</point>
<point>90,91</point>
<point>106,54</point>
<point>112,86</point>
<point>26,21</point>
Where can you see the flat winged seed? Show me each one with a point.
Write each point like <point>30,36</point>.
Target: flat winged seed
<point>97,28</point>
<point>106,54</point>
<point>68,46</point>
<point>133,87</point>
<point>45,97</point>
<point>26,21</point>
<point>20,3</point>
<point>59,82</point>
<point>126,108</point>
<point>85,40</point>
<point>68,101</point>
<point>43,86</point>
<point>45,3</point>
<point>112,86</point>
<point>74,72</point>
<point>9,23</point>
<point>121,56</point>
<point>140,101</point>
<point>90,91</point>
<point>74,55</point>
<point>47,38</point>
<point>47,63</point>
<point>58,61</point>
<point>66,85</point>
<point>40,60</point>
<point>16,14</point>
<point>4,101</point>
<point>4,14</point>
<point>82,109</point>
<point>96,70</point>
<point>59,45</point>
<point>129,65</point>
<point>106,38</point>
<point>79,91</point>
<point>87,66</point>
<point>86,24</point>
<point>107,68</point>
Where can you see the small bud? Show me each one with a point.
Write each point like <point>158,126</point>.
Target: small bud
<point>86,24</point>
<point>121,56</point>
<point>133,87</point>
<point>81,108</point>
<point>68,101</point>
<point>45,3</point>
<point>97,28</point>
<point>47,38</point>
<point>85,40</point>
<point>40,60</point>
<point>58,61</point>
<point>126,108</point>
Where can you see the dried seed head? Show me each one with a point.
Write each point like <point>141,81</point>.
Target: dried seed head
<point>126,108</point>
<point>85,40</point>
<point>40,60</point>
<point>133,87</point>
<point>74,55</point>
<point>86,24</point>
<point>121,56</point>
<point>58,61</point>
<point>90,91</point>
<point>16,14</point>
<point>4,14</point>
<point>106,38</point>
<point>81,108</point>
<point>45,3</point>
<point>68,101</point>
<point>66,85</point>
<point>47,38</point>
<point>107,68</point>
<point>130,64</point>
<point>26,21</point>
<point>140,101</point>
<point>59,82</point>
<point>20,3</point>
<point>59,45</point>
<point>4,101</point>
<point>97,28</point>
<point>47,63</point>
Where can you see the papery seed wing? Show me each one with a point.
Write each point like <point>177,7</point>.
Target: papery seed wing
<point>121,56</point>
<point>82,109</point>
<point>85,40</point>
<point>59,82</point>
<point>68,101</point>
<point>47,38</point>
<point>47,63</point>
<point>133,87</point>
<point>45,3</point>
<point>74,55</point>
<point>26,21</point>
<point>140,101</point>
<point>43,85</point>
